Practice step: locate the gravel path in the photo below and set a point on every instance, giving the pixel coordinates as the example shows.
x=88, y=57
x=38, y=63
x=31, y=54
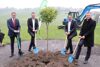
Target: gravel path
x=53, y=46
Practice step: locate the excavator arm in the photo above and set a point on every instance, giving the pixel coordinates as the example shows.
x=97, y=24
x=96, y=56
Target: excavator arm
x=87, y=9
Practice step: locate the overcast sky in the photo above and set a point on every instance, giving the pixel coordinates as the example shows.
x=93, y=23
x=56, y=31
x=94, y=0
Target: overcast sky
x=36, y=3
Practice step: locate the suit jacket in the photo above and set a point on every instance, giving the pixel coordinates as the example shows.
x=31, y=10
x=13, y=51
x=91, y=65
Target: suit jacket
x=72, y=29
x=87, y=30
x=30, y=26
x=11, y=27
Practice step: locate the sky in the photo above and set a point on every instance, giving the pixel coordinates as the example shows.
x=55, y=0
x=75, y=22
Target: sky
x=56, y=3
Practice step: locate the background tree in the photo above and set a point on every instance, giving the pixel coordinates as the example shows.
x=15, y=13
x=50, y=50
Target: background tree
x=47, y=15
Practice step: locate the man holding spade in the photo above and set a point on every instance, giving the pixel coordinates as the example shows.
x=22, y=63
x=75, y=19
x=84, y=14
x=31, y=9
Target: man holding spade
x=86, y=37
x=33, y=26
x=70, y=30
x=14, y=31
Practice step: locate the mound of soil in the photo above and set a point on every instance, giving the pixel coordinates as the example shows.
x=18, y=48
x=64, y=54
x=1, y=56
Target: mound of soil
x=42, y=59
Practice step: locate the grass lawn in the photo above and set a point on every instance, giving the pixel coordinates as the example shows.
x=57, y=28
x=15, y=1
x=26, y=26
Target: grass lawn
x=54, y=32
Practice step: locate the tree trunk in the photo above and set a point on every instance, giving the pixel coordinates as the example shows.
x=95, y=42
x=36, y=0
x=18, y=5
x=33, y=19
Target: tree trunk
x=47, y=24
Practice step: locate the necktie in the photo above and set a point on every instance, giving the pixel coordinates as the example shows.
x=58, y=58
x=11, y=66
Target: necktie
x=14, y=23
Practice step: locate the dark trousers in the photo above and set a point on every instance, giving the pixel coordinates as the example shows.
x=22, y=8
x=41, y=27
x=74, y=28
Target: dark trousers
x=69, y=44
x=79, y=50
x=32, y=43
x=12, y=39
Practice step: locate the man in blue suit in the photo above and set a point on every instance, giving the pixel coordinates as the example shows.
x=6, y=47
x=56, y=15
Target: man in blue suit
x=14, y=31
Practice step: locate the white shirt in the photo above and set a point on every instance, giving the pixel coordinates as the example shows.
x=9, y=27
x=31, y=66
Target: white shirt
x=69, y=25
x=33, y=21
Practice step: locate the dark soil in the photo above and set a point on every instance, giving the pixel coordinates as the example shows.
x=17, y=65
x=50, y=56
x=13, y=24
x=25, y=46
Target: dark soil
x=54, y=46
x=43, y=59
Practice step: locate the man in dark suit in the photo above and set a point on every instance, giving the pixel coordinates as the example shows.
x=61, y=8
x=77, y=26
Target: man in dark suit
x=14, y=31
x=86, y=37
x=70, y=30
x=32, y=30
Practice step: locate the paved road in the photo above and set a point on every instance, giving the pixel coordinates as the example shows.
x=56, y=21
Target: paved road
x=53, y=46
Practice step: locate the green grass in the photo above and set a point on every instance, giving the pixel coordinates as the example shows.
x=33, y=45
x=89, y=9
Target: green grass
x=54, y=32
x=97, y=34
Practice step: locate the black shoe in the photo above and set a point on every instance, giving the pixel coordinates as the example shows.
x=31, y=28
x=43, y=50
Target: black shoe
x=20, y=53
x=85, y=62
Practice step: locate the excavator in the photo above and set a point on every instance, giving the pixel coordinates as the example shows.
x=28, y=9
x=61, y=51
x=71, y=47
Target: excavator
x=79, y=18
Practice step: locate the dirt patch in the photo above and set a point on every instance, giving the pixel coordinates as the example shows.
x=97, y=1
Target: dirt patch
x=43, y=59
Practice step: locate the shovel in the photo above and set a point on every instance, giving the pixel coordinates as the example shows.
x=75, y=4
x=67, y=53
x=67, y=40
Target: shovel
x=35, y=50
x=71, y=57
x=18, y=42
x=63, y=50
x=19, y=45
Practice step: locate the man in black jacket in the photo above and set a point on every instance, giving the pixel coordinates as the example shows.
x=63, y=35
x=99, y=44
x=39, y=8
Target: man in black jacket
x=32, y=30
x=86, y=37
x=70, y=30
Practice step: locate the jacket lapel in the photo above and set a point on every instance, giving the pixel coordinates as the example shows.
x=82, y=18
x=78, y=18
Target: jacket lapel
x=71, y=24
x=11, y=22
